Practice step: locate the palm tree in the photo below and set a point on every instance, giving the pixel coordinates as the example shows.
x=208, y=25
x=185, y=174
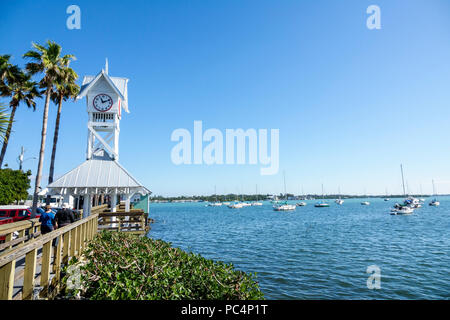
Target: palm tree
x=17, y=85
x=66, y=88
x=4, y=120
x=46, y=60
x=5, y=68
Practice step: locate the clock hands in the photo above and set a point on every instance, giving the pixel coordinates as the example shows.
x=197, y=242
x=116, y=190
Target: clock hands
x=100, y=104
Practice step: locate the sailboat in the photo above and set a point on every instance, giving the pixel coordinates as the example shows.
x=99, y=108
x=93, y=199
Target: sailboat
x=302, y=203
x=386, y=199
x=409, y=204
x=243, y=203
x=434, y=202
x=285, y=206
x=236, y=204
x=257, y=203
x=365, y=203
x=339, y=201
x=216, y=203
x=322, y=204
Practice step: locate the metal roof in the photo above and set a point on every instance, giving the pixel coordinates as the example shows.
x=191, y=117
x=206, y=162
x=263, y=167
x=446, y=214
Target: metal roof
x=97, y=173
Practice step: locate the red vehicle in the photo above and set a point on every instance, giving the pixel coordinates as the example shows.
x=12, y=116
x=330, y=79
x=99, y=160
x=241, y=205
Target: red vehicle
x=9, y=214
x=4, y=220
x=17, y=213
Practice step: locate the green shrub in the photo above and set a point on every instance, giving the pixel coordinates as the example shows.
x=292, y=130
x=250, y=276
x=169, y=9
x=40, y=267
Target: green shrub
x=124, y=266
x=14, y=185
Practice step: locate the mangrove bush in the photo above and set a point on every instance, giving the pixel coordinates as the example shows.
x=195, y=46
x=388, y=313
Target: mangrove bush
x=124, y=266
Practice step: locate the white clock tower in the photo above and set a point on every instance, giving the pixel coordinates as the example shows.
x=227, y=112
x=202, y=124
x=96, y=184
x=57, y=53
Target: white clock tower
x=105, y=98
x=101, y=173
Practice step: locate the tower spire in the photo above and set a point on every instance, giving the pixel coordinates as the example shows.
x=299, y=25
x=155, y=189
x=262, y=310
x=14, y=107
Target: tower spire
x=106, y=66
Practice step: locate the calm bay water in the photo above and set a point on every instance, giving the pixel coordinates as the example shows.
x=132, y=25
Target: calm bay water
x=320, y=253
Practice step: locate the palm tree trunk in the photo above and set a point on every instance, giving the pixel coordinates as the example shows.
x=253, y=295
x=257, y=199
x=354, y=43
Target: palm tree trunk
x=41, y=153
x=7, y=134
x=55, y=142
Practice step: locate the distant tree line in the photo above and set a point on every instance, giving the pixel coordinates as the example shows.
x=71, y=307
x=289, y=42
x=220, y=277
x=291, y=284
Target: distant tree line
x=255, y=197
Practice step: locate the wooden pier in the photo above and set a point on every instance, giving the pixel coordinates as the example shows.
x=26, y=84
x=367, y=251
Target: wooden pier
x=30, y=264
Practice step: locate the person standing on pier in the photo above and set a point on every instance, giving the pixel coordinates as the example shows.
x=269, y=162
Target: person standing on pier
x=64, y=216
x=47, y=220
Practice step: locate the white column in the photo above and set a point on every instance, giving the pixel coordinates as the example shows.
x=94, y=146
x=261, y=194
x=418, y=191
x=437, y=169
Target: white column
x=127, y=202
x=90, y=204
x=116, y=136
x=86, y=207
x=113, y=202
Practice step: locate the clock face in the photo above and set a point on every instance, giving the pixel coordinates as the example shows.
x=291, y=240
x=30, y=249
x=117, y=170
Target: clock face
x=102, y=102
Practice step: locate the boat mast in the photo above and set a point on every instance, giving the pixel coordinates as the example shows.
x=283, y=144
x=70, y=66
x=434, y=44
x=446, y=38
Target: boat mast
x=403, y=180
x=285, y=194
x=434, y=191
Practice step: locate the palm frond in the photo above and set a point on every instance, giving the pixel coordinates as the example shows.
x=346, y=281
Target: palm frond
x=4, y=121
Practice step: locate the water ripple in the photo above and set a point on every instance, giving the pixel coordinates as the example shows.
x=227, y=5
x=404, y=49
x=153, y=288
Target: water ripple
x=320, y=253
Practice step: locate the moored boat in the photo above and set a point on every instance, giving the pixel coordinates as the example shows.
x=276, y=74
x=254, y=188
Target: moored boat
x=321, y=205
x=401, y=210
x=434, y=202
x=284, y=207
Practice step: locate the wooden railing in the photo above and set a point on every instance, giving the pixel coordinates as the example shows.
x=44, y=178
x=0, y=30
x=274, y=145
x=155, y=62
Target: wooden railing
x=135, y=221
x=70, y=242
x=18, y=233
x=22, y=230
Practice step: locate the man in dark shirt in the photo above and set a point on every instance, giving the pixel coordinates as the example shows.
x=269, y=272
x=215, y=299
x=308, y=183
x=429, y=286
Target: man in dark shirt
x=64, y=216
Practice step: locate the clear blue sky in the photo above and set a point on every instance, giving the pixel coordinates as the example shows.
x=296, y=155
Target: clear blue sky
x=351, y=103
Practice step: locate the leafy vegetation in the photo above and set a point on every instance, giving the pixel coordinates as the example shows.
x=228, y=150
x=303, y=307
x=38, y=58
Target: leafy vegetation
x=124, y=266
x=13, y=185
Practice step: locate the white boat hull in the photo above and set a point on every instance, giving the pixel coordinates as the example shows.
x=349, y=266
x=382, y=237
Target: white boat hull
x=284, y=207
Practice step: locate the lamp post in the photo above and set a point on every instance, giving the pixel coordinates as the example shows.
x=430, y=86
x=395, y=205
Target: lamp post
x=21, y=159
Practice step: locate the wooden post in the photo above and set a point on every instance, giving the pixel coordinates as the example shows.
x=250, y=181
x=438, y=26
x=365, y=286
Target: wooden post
x=88, y=231
x=91, y=229
x=8, y=238
x=73, y=241
x=78, y=245
x=66, y=246
x=45, y=267
x=81, y=238
x=22, y=234
x=7, y=280
x=29, y=273
x=57, y=263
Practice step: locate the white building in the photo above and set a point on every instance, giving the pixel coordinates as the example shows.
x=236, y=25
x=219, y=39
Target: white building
x=101, y=173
